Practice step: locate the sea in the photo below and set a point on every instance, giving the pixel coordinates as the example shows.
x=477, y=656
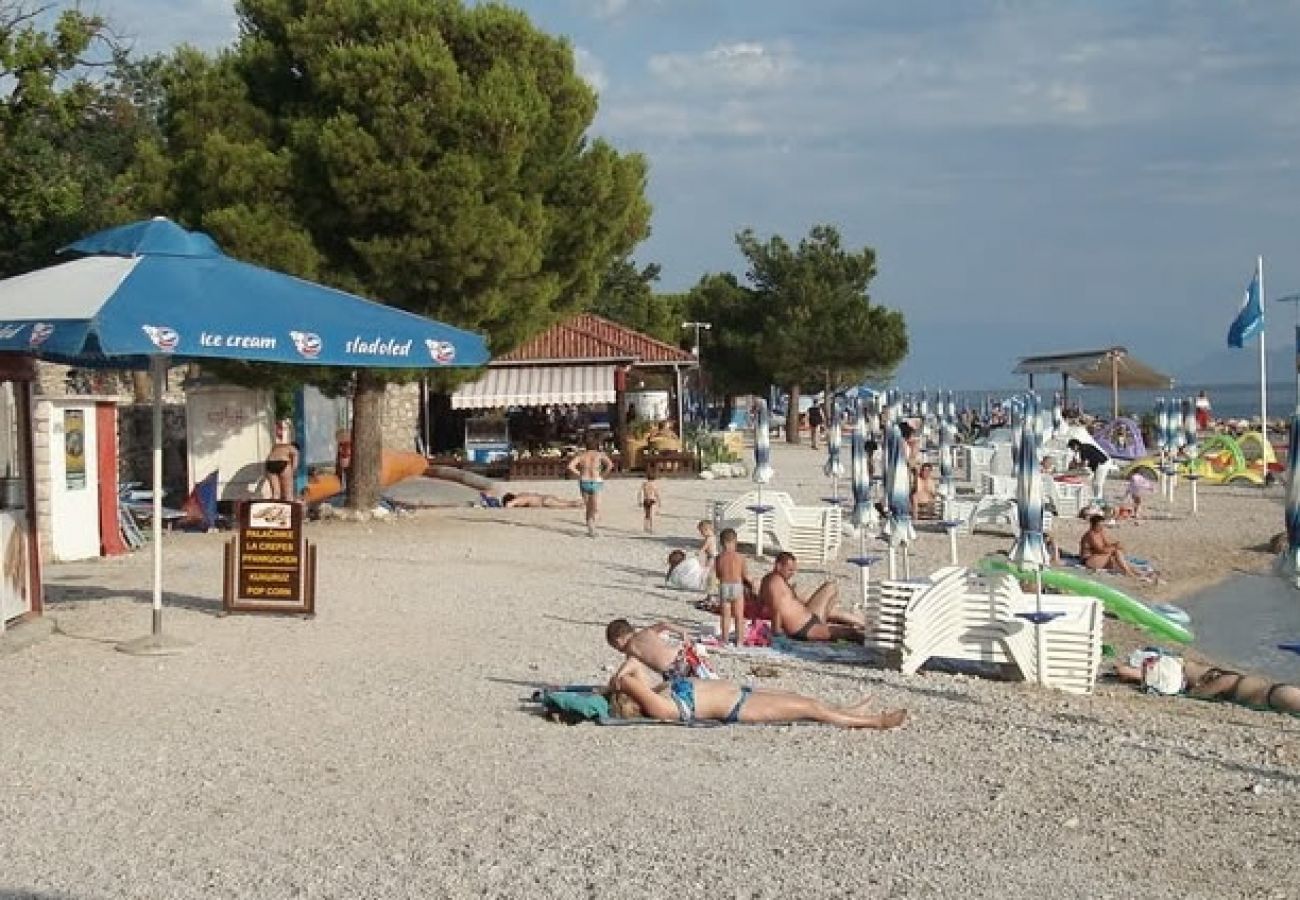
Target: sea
x=1227, y=401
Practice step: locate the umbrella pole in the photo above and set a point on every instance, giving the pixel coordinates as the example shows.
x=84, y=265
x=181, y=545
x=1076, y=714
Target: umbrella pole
x=1040, y=642
x=156, y=643
x=907, y=564
x=758, y=523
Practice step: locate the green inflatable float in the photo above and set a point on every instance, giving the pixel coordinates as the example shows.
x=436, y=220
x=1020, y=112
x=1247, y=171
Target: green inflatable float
x=1120, y=604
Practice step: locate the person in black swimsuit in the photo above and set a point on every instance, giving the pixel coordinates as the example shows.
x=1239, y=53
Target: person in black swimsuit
x=1214, y=683
x=814, y=619
x=281, y=465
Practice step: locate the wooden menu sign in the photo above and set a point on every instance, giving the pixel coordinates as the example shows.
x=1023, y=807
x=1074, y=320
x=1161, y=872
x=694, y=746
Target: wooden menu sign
x=269, y=566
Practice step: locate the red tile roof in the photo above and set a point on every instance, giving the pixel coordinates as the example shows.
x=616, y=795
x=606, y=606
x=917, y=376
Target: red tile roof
x=588, y=336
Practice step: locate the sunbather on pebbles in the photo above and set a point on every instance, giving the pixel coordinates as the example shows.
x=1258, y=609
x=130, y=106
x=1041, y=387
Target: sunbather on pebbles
x=1098, y=551
x=633, y=695
x=814, y=619
x=531, y=500
x=1213, y=683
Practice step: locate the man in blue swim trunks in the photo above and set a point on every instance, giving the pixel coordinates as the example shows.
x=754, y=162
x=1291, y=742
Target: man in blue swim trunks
x=591, y=466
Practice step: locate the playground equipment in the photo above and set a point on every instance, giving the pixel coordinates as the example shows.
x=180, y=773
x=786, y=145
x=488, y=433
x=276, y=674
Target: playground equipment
x=1223, y=459
x=1121, y=439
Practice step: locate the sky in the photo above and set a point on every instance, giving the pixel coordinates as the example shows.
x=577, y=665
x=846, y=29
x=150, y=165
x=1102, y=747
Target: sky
x=1034, y=176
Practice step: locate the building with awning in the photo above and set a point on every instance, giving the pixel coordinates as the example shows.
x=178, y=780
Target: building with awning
x=1113, y=366
x=584, y=360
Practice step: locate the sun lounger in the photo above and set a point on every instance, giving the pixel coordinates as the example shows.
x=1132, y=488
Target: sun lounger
x=812, y=533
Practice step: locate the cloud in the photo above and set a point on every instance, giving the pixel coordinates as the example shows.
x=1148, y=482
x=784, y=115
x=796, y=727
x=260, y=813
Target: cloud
x=746, y=65
x=590, y=69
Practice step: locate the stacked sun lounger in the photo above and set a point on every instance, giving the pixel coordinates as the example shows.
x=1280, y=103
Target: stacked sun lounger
x=812, y=533
x=958, y=614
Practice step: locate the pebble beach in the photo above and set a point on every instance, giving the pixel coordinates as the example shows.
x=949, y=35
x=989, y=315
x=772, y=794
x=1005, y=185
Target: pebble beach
x=381, y=749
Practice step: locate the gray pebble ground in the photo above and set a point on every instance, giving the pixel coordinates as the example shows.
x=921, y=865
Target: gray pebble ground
x=380, y=750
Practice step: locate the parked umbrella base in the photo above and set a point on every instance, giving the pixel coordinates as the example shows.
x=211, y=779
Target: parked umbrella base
x=157, y=643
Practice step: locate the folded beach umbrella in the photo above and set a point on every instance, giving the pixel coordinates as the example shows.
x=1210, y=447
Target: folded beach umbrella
x=762, y=444
x=834, y=469
x=947, y=440
x=858, y=464
x=1189, y=426
x=1030, y=549
x=1162, y=425
x=1058, y=415
x=898, y=489
x=1291, y=558
x=952, y=408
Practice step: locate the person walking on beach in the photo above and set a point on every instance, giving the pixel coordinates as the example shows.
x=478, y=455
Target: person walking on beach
x=648, y=497
x=816, y=421
x=1097, y=460
x=732, y=584
x=814, y=619
x=1202, y=411
x=591, y=466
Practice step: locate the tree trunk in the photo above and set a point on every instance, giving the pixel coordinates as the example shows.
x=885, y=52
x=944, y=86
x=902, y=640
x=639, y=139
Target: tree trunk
x=367, y=441
x=142, y=388
x=792, y=417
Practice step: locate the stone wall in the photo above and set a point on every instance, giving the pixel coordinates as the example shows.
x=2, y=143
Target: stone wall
x=400, y=416
x=41, y=418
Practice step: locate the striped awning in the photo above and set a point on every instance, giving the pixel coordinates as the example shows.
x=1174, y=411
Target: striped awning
x=537, y=386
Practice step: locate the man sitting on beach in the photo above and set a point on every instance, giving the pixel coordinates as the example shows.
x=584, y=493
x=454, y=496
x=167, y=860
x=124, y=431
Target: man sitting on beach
x=1098, y=551
x=814, y=619
x=530, y=500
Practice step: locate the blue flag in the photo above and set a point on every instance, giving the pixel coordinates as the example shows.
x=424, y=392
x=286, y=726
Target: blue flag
x=1250, y=319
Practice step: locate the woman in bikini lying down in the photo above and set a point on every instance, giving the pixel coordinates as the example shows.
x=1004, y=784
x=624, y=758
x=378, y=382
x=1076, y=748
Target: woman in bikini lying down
x=1214, y=683
x=687, y=700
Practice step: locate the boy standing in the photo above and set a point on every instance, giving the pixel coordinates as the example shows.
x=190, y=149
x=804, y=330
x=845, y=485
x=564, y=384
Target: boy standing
x=730, y=569
x=650, y=501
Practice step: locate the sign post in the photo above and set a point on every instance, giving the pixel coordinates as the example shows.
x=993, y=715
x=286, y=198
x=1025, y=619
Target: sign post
x=269, y=566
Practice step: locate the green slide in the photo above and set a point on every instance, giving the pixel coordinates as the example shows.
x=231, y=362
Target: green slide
x=1124, y=607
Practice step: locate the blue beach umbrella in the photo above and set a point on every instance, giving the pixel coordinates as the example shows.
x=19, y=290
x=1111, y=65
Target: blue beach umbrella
x=1291, y=558
x=152, y=294
x=154, y=291
x=762, y=444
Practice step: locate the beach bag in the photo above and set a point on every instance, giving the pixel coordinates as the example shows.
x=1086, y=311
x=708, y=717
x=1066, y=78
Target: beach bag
x=699, y=662
x=1162, y=674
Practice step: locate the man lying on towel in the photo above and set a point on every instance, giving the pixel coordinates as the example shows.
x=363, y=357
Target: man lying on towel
x=813, y=619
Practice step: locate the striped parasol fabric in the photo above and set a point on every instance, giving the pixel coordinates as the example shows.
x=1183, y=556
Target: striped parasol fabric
x=947, y=442
x=898, y=488
x=762, y=444
x=1189, y=427
x=1291, y=558
x=1162, y=425
x=1030, y=550
x=860, y=469
x=833, y=468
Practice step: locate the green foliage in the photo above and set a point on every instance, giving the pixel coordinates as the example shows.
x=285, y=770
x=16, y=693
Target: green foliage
x=426, y=153
x=626, y=295
x=69, y=125
x=804, y=315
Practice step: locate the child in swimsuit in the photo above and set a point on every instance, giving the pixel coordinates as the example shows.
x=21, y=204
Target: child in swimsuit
x=730, y=569
x=647, y=646
x=648, y=497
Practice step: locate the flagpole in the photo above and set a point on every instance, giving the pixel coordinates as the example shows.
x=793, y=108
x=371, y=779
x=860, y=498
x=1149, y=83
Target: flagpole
x=1263, y=373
